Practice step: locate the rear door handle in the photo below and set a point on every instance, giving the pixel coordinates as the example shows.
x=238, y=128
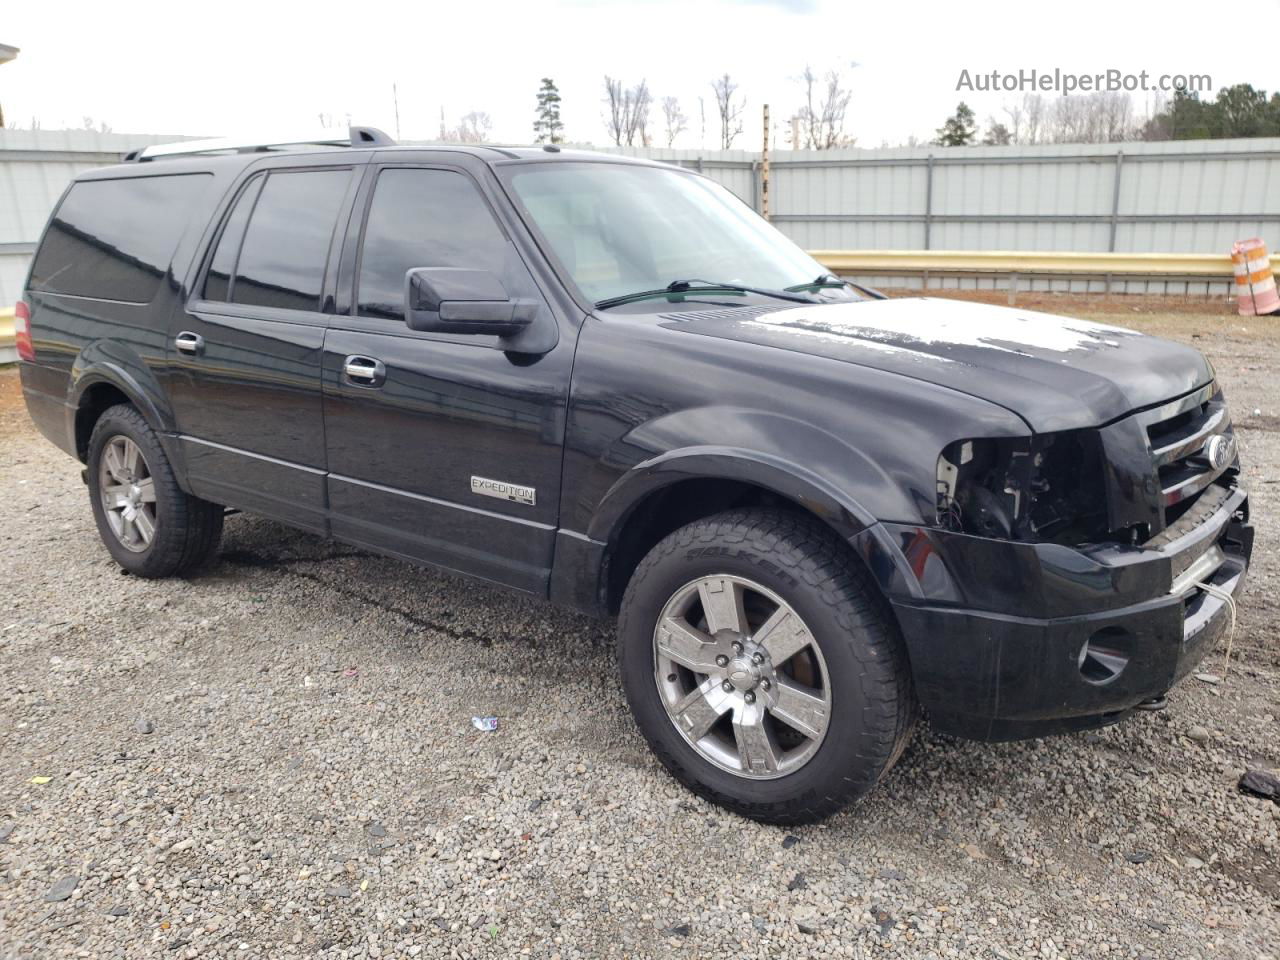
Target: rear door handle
x=364, y=371
x=189, y=343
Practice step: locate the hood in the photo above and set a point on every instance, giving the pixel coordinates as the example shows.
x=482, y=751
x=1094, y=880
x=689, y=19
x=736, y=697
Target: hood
x=1055, y=372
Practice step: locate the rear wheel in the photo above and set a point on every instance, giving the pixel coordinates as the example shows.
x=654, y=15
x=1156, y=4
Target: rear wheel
x=149, y=525
x=762, y=666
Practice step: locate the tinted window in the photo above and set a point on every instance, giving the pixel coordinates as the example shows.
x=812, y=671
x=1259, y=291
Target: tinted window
x=423, y=218
x=217, y=286
x=113, y=239
x=286, y=247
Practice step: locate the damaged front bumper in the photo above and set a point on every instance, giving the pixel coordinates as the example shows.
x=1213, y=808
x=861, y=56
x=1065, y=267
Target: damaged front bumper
x=1011, y=640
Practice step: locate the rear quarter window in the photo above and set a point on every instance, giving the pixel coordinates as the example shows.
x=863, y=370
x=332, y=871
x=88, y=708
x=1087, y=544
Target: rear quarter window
x=114, y=239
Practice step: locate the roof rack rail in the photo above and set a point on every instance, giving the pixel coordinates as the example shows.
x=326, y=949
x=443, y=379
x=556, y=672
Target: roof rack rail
x=356, y=137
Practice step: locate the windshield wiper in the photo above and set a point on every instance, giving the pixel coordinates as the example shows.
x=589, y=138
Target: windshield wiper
x=828, y=281
x=703, y=286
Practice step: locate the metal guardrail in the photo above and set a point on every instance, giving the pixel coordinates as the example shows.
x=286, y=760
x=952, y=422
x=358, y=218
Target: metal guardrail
x=8, y=348
x=1203, y=265
x=1108, y=268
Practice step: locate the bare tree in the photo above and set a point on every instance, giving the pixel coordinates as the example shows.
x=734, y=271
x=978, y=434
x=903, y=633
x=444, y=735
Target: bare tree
x=1069, y=120
x=1102, y=117
x=638, y=125
x=729, y=108
x=475, y=127
x=1015, y=125
x=673, y=119
x=820, y=122
x=615, y=99
x=1117, y=119
x=472, y=128
x=1032, y=121
x=627, y=119
x=328, y=122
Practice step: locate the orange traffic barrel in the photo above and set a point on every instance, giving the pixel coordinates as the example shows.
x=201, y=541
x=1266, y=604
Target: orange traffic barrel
x=1255, y=284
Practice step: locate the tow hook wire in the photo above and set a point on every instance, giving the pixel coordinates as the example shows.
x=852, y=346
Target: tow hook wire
x=1230, y=601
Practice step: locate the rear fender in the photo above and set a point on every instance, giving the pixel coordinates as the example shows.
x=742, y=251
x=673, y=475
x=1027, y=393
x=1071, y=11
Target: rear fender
x=111, y=362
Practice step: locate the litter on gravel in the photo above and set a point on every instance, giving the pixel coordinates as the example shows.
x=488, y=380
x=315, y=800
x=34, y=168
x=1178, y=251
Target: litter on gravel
x=1261, y=783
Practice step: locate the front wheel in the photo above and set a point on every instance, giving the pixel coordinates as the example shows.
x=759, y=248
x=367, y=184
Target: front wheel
x=762, y=666
x=149, y=525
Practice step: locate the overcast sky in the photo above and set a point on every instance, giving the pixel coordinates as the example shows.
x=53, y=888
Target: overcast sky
x=230, y=67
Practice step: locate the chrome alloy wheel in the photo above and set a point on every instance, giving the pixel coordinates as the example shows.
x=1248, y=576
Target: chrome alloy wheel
x=128, y=493
x=741, y=677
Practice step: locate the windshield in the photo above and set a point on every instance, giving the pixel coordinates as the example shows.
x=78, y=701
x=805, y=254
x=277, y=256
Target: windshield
x=622, y=228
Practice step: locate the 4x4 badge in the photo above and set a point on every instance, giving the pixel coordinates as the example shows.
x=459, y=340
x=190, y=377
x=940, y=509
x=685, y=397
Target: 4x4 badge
x=502, y=490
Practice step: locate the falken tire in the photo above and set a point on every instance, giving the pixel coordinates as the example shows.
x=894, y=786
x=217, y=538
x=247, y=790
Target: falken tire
x=872, y=707
x=186, y=530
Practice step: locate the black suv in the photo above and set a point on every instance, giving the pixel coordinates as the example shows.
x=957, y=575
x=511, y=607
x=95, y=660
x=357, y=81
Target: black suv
x=609, y=383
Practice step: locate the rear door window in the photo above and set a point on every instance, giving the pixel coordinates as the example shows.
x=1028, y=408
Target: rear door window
x=423, y=218
x=217, y=285
x=114, y=239
x=286, y=246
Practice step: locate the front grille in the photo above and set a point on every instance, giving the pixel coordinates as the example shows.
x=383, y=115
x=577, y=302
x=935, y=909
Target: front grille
x=1185, y=452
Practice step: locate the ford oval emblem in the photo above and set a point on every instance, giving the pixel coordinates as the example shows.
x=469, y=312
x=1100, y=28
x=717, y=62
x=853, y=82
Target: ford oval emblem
x=1220, y=451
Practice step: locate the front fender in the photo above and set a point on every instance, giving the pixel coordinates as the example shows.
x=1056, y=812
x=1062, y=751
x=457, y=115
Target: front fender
x=770, y=472
x=825, y=473
x=825, y=500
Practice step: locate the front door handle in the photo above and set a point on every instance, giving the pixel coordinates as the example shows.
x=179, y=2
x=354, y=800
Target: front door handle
x=364, y=371
x=189, y=343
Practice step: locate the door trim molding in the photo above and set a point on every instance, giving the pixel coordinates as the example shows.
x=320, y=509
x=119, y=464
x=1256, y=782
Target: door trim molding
x=256, y=456
x=315, y=471
x=443, y=503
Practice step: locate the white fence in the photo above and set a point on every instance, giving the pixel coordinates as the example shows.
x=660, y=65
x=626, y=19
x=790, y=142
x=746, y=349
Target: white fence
x=1173, y=197
x=1170, y=197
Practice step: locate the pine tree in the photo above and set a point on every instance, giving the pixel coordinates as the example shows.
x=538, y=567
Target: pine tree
x=959, y=130
x=548, y=128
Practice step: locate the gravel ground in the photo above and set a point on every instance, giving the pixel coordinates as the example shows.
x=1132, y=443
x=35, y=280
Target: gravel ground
x=277, y=759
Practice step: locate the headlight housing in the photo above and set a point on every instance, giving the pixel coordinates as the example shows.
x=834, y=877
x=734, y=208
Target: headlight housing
x=1044, y=488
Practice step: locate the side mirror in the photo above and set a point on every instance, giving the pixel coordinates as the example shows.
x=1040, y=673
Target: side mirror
x=457, y=300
